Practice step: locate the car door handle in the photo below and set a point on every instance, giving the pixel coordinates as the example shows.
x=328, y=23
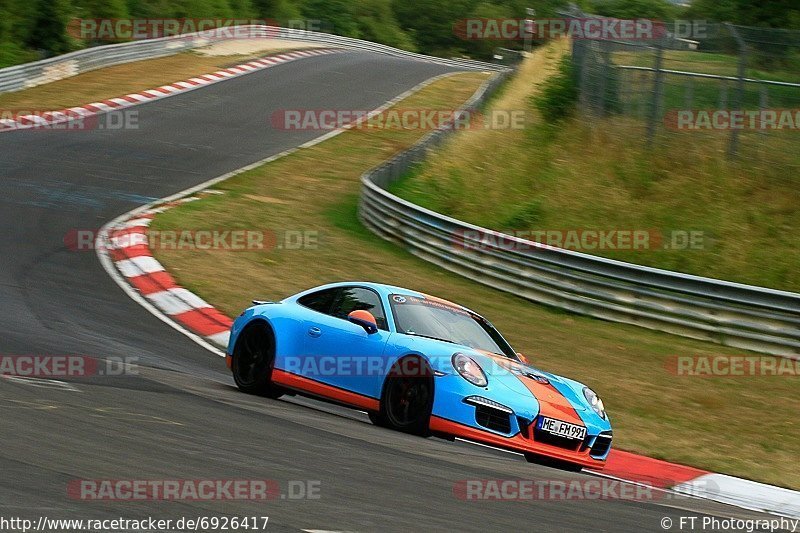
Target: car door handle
x=315, y=331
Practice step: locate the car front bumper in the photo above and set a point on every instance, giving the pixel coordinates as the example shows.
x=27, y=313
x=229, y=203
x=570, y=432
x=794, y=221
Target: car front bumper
x=509, y=421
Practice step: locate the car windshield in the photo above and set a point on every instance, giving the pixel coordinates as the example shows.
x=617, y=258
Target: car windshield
x=444, y=321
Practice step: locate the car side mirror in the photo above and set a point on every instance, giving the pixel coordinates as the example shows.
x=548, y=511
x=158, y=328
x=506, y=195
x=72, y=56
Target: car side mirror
x=523, y=358
x=365, y=319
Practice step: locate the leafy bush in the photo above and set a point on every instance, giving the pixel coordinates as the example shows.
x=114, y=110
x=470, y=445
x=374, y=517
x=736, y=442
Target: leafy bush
x=556, y=101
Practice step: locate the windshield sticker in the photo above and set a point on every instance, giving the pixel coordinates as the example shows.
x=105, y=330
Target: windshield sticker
x=438, y=304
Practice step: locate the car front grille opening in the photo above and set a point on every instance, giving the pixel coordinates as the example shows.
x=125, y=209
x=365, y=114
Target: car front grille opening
x=601, y=445
x=493, y=419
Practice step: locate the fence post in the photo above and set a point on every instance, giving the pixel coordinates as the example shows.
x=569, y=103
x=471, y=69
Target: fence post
x=763, y=103
x=722, y=102
x=583, y=76
x=658, y=88
x=605, y=64
x=733, y=145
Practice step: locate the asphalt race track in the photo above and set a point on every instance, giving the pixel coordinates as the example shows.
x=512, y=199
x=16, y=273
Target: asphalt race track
x=181, y=417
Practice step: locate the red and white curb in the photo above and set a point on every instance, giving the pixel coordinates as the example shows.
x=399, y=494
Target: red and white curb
x=126, y=245
x=52, y=118
x=702, y=484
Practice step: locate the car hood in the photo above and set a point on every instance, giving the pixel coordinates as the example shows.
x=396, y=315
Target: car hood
x=542, y=392
x=560, y=393
x=554, y=396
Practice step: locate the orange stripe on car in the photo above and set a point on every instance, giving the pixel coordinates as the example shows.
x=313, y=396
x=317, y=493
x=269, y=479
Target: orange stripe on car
x=311, y=386
x=552, y=403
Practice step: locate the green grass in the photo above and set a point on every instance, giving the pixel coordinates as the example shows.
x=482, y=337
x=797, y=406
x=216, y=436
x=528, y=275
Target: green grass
x=597, y=173
x=703, y=422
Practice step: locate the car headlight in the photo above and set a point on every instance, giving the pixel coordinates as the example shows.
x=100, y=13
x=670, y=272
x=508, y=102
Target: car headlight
x=468, y=369
x=595, y=402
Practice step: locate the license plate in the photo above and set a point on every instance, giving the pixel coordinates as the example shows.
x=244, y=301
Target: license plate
x=562, y=429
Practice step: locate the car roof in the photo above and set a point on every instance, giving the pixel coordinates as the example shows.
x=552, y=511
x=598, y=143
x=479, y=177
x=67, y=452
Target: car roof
x=385, y=290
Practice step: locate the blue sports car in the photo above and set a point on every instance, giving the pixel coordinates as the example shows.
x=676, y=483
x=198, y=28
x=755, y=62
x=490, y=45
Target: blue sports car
x=419, y=364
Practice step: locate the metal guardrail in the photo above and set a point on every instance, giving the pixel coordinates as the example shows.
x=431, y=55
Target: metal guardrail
x=39, y=72
x=733, y=314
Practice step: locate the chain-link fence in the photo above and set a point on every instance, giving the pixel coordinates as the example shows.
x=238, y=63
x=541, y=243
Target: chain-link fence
x=696, y=76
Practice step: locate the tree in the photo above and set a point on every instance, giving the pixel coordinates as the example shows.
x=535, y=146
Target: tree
x=49, y=32
x=334, y=14
x=15, y=26
x=101, y=8
x=432, y=22
x=280, y=11
x=484, y=48
x=632, y=9
x=771, y=14
x=376, y=22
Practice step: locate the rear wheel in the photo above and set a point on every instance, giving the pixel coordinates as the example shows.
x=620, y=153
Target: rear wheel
x=253, y=361
x=406, y=404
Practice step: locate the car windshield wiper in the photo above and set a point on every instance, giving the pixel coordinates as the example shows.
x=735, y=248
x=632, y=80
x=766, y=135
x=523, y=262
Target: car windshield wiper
x=454, y=342
x=429, y=337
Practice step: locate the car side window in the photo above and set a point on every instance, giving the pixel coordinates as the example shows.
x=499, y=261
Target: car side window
x=320, y=301
x=358, y=298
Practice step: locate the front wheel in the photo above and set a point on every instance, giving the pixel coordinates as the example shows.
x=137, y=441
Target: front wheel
x=253, y=361
x=406, y=405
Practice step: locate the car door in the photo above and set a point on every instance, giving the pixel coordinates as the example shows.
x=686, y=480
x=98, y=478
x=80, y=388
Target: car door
x=342, y=354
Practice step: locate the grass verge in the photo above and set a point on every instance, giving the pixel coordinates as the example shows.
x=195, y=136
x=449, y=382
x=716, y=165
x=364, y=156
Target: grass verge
x=119, y=80
x=598, y=174
x=743, y=427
